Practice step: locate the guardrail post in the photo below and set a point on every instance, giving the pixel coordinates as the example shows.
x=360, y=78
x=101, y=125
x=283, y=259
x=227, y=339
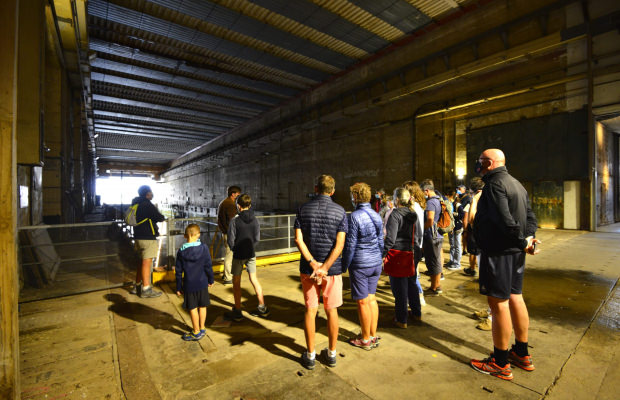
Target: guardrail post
x=288, y=231
x=170, y=243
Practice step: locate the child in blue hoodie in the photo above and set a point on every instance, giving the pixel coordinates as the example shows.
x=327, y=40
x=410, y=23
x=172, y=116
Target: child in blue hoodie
x=194, y=275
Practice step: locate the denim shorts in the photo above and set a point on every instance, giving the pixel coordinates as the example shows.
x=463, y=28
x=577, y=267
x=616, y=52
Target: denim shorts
x=364, y=281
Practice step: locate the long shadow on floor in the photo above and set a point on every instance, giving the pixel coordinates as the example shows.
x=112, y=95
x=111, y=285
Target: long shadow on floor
x=283, y=311
x=144, y=314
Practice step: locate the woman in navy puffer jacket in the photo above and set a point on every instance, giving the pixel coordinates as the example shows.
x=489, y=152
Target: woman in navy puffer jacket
x=362, y=255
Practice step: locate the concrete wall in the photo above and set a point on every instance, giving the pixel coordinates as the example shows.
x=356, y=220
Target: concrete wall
x=406, y=114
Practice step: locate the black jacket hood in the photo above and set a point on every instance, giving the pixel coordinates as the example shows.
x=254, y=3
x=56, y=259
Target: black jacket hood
x=246, y=216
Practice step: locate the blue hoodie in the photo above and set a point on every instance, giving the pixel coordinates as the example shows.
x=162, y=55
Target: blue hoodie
x=193, y=267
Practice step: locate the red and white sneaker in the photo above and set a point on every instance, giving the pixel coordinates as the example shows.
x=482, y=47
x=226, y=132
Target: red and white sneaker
x=521, y=362
x=488, y=366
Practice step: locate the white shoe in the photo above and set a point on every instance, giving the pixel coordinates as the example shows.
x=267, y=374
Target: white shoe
x=422, y=301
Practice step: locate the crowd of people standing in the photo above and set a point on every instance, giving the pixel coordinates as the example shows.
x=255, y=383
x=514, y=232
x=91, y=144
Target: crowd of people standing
x=492, y=221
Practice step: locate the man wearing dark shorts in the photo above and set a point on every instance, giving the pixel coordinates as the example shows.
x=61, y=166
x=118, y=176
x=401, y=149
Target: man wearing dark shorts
x=504, y=229
x=433, y=240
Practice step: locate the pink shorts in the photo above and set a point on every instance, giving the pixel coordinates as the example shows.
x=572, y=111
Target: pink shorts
x=332, y=291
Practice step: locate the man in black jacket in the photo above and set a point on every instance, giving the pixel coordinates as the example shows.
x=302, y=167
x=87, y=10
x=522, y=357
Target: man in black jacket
x=145, y=237
x=504, y=228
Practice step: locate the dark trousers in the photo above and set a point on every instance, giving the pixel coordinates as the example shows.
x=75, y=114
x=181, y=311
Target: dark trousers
x=405, y=293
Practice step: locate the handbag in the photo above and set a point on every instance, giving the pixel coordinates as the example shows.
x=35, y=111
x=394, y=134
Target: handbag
x=400, y=263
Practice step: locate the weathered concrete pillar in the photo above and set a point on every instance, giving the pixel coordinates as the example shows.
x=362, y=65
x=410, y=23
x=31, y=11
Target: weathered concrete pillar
x=9, y=328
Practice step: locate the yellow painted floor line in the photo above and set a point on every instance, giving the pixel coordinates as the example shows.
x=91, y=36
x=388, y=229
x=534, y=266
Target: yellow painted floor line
x=168, y=276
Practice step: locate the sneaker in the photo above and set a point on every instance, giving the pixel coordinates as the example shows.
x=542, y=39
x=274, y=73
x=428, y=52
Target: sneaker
x=453, y=267
x=422, y=301
x=399, y=324
x=488, y=366
x=191, y=336
x=136, y=289
x=449, y=263
x=482, y=314
x=149, y=293
x=306, y=361
x=227, y=283
x=485, y=325
x=376, y=341
x=521, y=362
x=263, y=313
x=469, y=272
x=359, y=342
x=433, y=293
x=329, y=360
x=234, y=315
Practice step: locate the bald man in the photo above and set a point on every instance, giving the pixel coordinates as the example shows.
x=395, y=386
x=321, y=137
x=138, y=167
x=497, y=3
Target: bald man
x=504, y=228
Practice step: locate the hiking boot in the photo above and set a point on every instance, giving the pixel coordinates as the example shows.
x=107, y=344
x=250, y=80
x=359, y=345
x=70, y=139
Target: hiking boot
x=329, y=360
x=469, y=272
x=306, y=361
x=359, y=342
x=191, y=336
x=488, y=366
x=485, y=325
x=433, y=292
x=482, y=314
x=521, y=362
x=149, y=293
x=234, y=315
x=262, y=312
x=136, y=289
x=398, y=324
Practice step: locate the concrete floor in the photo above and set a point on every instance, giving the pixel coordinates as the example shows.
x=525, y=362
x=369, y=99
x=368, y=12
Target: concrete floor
x=110, y=344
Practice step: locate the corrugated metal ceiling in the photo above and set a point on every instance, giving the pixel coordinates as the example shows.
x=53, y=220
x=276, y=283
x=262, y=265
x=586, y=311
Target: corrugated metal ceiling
x=186, y=71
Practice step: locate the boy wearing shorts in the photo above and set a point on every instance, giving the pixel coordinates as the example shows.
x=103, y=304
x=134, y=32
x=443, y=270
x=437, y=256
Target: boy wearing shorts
x=194, y=275
x=243, y=235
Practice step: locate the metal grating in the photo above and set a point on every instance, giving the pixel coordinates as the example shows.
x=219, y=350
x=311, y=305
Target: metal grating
x=398, y=13
x=232, y=20
x=191, y=95
x=128, y=54
x=212, y=44
x=325, y=21
x=147, y=144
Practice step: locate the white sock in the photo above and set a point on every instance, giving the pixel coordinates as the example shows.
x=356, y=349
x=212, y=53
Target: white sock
x=332, y=353
x=312, y=355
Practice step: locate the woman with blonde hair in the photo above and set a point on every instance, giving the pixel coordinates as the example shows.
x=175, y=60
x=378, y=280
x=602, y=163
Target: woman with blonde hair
x=400, y=258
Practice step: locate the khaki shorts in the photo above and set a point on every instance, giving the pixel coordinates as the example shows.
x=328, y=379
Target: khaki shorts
x=147, y=248
x=237, y=266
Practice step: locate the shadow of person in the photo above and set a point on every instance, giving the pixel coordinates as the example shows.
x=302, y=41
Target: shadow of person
x=250, y=330
x=283, y=311
x=144, y=314
x=431, y=337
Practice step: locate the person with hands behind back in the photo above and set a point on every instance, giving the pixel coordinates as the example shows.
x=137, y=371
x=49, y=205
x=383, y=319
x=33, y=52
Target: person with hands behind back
x=194, y=275
x=320, y=230
x=504, y=228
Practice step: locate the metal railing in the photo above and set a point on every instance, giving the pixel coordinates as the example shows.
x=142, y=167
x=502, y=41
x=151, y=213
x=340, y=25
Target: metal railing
x=57, y=260
x=277, y=236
